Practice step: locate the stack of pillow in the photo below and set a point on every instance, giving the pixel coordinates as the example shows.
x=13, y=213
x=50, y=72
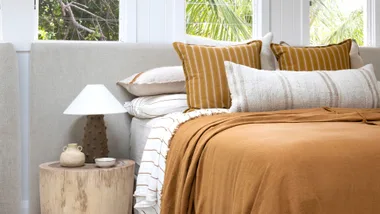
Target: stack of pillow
x=261, y=76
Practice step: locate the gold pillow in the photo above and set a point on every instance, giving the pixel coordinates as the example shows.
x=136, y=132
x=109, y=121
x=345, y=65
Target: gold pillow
x=206, y=80
x=331, y=57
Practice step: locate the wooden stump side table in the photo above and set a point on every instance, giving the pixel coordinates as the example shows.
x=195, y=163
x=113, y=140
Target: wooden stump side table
x=87, y=189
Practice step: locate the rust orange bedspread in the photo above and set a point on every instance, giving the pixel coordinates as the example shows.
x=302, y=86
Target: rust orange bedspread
x=299, y=161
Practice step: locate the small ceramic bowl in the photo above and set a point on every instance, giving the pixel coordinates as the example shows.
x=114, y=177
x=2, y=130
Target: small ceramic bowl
x=105, y=162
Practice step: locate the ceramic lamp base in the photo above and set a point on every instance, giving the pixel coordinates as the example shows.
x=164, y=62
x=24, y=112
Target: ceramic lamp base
x=95, y=138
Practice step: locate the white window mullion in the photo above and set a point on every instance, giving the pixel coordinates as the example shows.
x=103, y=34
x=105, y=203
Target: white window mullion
x=305, y=22
x=376, y=25
x=372, y=21
x=261, y=14
x=157, y=21
x=179, y=20
x=128, y=21
x=19, y=27
x=1, y=20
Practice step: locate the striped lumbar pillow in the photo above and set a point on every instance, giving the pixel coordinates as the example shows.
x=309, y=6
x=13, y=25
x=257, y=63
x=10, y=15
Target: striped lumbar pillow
x=331, y=57
x=258, y=90
x=206, y=82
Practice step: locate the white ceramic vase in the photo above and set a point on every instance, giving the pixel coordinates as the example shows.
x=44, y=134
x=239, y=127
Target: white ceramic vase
x=72, y=156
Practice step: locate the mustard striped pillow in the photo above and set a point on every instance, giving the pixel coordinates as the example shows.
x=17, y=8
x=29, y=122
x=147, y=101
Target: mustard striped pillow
x=331, y=57
x=206, y=81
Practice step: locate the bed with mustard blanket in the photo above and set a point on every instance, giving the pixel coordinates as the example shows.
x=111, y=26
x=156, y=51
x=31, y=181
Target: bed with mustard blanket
x=323, y=160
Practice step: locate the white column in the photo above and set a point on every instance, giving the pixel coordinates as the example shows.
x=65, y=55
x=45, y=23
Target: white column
x=19, y=26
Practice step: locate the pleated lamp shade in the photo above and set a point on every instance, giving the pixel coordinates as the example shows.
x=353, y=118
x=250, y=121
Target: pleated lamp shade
x=95, y=100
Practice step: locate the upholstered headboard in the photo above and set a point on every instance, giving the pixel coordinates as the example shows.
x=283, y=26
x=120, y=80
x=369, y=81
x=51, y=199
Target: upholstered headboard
x=10, y=140
x=371, y=55
x=59, y=71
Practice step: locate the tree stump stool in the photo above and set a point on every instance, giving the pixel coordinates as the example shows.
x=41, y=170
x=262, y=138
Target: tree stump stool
x=87, y=189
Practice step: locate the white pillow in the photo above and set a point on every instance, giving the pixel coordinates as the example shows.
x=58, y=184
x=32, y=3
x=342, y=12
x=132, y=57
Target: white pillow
x=266, y=56
x=163, y=80
x=156, y=106
x=255, y=90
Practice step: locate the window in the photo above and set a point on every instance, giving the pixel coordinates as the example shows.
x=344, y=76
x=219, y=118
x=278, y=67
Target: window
x=78, y=20
x=228, y=20
x=332, y=21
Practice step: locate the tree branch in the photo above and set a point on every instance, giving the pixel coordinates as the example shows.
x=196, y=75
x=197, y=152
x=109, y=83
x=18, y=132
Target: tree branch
x=74, y=21
x=86, y=11
x=67, y=8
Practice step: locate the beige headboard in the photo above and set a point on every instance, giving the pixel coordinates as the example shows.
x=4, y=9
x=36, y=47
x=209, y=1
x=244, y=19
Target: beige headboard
x=371, y=55
x=59, y=71
x=10, y=140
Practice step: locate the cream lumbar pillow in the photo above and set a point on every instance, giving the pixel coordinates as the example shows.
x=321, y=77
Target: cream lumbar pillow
x=255, y=90
x=163, y=80
x=266, y=55
x=156, y=106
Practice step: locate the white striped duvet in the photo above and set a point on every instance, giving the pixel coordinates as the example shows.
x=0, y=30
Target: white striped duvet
x=151, y=173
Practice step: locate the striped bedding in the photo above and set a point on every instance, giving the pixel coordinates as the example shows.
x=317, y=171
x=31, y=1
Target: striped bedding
x=151, y=174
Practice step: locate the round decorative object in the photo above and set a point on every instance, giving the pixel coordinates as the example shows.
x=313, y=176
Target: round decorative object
x=87, y=189
x=105, y=162
x=72, y=156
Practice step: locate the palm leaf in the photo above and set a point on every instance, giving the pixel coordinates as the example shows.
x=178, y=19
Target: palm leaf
x=219, y=19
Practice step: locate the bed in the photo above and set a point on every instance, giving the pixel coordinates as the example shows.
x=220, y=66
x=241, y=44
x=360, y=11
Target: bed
x=53, y=62
x=309, y=160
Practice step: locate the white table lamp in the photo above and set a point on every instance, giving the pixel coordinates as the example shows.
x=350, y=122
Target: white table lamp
x=95, y=101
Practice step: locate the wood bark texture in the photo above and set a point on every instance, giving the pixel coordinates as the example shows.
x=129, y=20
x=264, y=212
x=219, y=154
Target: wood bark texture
x=95, y=138
x=87, y=189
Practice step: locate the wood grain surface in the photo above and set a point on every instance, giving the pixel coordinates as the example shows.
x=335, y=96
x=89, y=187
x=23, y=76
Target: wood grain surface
x=87, y=189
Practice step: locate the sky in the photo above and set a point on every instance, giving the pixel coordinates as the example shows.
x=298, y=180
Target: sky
x=350, y=5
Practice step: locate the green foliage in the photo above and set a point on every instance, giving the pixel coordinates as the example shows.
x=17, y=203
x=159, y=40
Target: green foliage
x=329, y=25
x=100, y=16
x=229, y=20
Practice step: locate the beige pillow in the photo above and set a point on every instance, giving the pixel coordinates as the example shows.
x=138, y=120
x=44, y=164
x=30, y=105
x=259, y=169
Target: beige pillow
x=163, y=80
x=255, y=90
x=266, y=55
x=356, y=59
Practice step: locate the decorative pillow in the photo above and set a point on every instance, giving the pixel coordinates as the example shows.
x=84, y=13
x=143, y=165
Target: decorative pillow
x=163, y=80
x=331, y=57
x=259, y=90
x=266, y=56
x=206, y=82
x=156, y=106
x=355, y=58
